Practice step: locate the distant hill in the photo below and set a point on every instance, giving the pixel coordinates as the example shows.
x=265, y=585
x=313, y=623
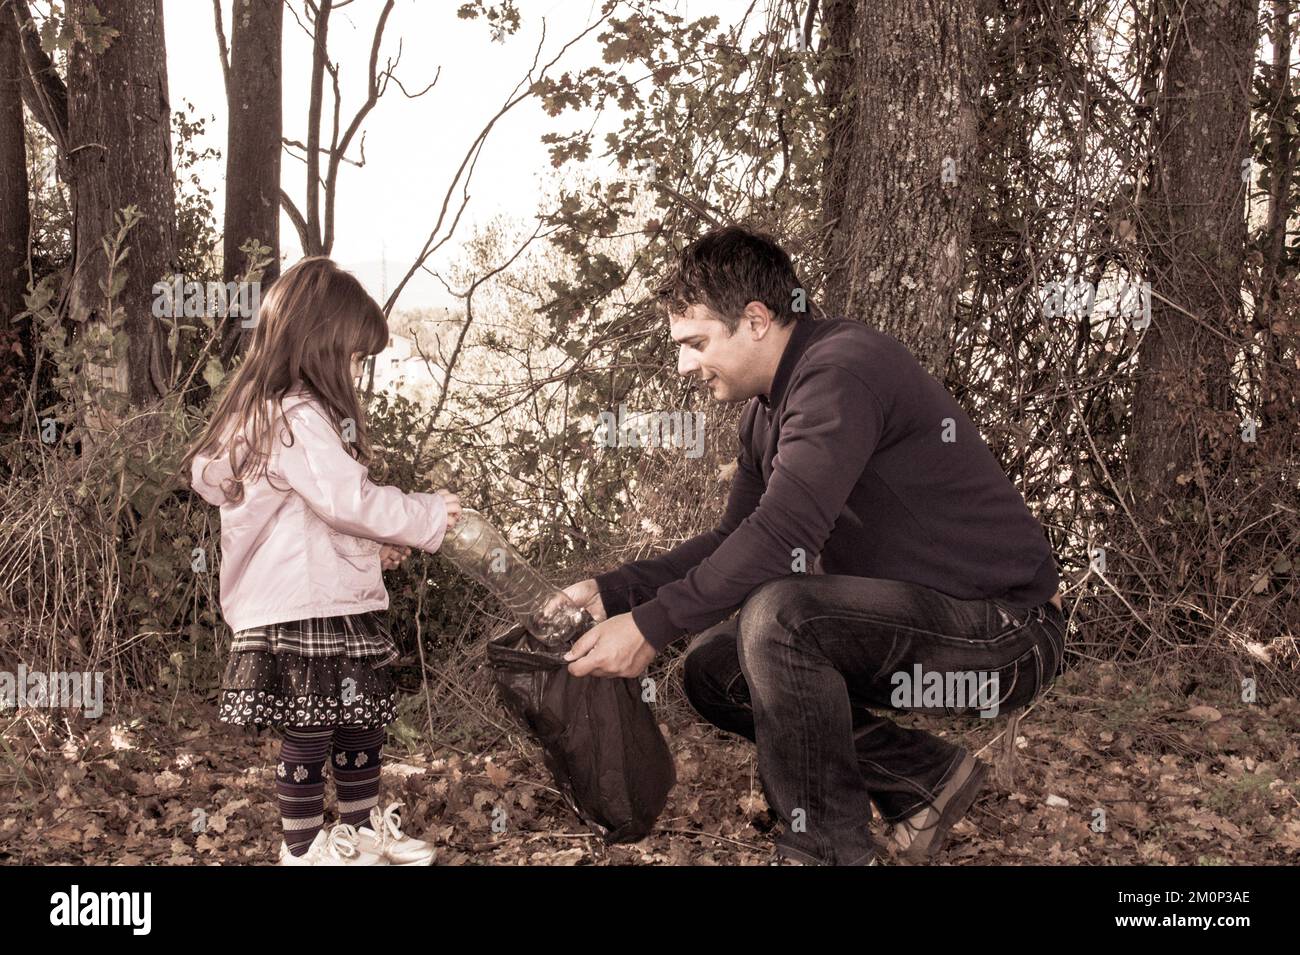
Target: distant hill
x=423, y=291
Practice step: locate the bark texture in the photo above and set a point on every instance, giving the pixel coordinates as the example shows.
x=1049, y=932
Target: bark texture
x=253, y=145
x=14, y=210
x=1193, y=229
x=120, y=155
x=903, y=92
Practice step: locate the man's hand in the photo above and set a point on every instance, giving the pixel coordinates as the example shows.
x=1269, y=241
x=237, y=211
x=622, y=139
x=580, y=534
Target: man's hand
x=583, y=594
x=392, y=555
x=613, y=648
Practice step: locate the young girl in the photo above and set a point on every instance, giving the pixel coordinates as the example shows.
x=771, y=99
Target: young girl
x=304, y=534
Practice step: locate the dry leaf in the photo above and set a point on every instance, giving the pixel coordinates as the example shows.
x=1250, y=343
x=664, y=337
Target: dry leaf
x=497, y=775
x=1206, y=714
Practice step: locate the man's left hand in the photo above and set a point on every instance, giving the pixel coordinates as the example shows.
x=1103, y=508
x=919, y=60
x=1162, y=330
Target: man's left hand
x=614, y=647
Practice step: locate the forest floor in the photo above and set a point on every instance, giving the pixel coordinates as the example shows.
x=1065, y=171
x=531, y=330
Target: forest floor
x=1182, y=781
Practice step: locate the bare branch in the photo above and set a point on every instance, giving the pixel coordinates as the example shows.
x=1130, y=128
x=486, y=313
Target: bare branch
x=44, y=91
x=340, y=146
x=465, y=171
x=464, y=330
x=223, y=49
x=808, y=25
x=319, y=56
x=434, y=83
x=299, y=223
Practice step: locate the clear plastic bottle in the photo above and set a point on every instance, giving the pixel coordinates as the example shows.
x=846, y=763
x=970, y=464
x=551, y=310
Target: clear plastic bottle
x=479, y=550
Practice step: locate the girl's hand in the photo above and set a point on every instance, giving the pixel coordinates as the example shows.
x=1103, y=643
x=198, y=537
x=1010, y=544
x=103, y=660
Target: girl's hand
x=392, y=555
x=453, y=506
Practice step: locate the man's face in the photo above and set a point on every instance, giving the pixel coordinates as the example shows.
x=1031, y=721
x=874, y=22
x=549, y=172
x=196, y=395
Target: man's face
x=707, y=353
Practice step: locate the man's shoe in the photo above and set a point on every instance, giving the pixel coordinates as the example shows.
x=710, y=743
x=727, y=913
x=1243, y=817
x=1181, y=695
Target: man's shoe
x=779, y=859
x=784, y=855
x=922, y=835
x=385, y=838
x=338, y=847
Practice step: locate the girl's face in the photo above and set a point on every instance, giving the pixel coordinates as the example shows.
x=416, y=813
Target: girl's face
x=358, y=364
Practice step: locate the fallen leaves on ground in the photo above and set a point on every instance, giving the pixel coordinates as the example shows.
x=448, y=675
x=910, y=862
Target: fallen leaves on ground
x=1103, y=773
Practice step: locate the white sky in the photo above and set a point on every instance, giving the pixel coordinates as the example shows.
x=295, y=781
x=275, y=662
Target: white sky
x=386, y=209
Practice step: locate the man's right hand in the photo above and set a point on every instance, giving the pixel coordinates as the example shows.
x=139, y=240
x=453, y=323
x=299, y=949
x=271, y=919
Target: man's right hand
x=586, y=594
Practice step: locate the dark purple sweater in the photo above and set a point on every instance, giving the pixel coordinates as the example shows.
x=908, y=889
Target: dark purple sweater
x=861, y=456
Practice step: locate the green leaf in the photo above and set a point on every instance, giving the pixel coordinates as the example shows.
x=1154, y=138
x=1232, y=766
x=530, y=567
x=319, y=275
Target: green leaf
x=50, y=35
x=99, y=36
x=117, y=283
x=213, y=373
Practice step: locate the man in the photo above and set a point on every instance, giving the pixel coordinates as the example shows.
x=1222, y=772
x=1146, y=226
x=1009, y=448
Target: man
x=930, y=562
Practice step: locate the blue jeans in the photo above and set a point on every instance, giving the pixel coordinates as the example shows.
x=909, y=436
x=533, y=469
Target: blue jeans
x=799, y=668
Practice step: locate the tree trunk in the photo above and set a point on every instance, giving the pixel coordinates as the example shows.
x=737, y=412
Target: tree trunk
x=253, y=146
x=320, y=55
x=1278, y=265
x=120, y=153
x=1280, y=150
x=903, y=92
x=1194, y=233
x=44, y=91
x=14, y=212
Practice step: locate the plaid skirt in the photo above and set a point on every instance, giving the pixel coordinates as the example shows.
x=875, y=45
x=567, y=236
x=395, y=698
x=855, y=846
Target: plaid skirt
x=325, y=671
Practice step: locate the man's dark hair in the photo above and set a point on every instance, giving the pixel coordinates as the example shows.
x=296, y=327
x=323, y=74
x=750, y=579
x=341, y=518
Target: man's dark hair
x=729, y=267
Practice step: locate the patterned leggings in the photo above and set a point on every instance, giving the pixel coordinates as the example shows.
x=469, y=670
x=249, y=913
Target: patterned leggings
x=354, y=753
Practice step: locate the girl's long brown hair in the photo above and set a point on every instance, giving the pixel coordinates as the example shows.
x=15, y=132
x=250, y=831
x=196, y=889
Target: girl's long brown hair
x=311, y=322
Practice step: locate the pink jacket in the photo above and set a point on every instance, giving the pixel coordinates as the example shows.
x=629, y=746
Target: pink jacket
x=305, y=543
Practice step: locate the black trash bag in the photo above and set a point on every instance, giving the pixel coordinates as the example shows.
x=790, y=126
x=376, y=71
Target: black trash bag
x=599, y=738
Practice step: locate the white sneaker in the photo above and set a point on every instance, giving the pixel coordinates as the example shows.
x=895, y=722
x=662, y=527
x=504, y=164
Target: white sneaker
x=339, y=847
x=384, y=837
